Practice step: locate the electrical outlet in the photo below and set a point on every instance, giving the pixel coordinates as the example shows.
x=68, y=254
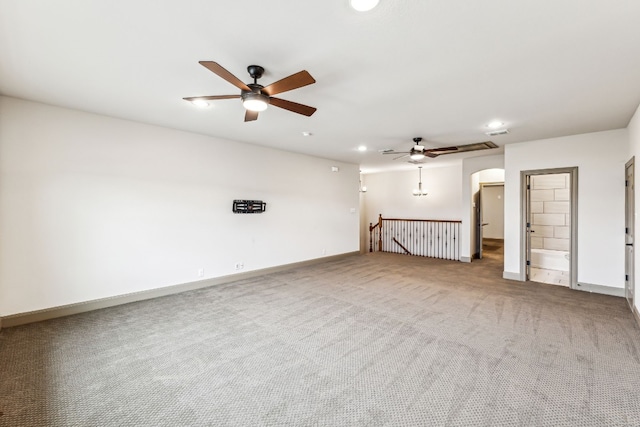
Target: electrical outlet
x=324, y=252
x=200, y=272
x=239, y=265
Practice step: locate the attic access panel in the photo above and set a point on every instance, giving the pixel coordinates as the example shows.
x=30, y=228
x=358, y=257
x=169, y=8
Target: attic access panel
x=473, y=147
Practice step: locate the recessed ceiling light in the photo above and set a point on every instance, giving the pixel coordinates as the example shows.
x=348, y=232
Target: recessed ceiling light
x=362, y=148
x=363, y=5
x=495, y=124
x=307, y=134
x=200, y=103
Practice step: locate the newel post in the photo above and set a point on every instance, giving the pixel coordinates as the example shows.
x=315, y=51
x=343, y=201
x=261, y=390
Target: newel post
x=380, y=233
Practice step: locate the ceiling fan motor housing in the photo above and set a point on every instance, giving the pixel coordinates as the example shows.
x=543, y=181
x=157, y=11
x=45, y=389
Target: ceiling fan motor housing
x=256, y=93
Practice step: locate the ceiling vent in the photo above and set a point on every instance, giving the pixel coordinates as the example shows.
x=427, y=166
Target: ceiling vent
x=498, y=132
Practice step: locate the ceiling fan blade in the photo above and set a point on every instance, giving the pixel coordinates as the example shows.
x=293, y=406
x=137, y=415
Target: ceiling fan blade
x=250, y=116
x=305, y=110
x=210, y=98
x=400, y=157
x=216, y=68
x=395, y=152
x=294, y=81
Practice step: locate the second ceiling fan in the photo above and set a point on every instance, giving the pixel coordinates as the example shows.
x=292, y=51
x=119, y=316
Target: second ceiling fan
x=255, y=97
x=418, y=152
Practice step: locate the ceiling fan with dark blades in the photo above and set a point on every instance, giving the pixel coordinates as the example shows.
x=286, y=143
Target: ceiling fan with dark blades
x=418, y=152
x=255, y=97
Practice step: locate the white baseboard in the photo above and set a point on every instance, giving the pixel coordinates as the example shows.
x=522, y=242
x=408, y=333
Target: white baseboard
x=600, y=289
x=634, y=310
x=465, y=259
x=586, y=287
x=81, y=307
x=511, y=276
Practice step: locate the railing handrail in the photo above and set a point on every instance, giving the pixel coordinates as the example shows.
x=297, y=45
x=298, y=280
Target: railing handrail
x=378, y=224
x=438, y=238
x=423, y=220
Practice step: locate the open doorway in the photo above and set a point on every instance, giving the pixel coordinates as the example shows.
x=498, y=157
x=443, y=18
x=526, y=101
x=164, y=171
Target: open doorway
x=491, y=220
x=488, y=214
x=549, y=226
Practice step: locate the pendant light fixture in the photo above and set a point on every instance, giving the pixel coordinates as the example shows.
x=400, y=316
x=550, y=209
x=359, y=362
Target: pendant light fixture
x=363, y=189
x=419, y=191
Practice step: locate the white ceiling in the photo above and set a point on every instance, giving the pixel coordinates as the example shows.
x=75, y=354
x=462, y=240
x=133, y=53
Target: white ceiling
x=440, y=69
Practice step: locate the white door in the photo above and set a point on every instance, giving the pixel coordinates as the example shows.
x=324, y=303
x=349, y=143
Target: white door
x=492, y=211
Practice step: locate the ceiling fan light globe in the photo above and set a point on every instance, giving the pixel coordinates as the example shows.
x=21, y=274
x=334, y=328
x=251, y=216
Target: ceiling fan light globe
x=416, y=156
x=254, y=105
x=253, y=101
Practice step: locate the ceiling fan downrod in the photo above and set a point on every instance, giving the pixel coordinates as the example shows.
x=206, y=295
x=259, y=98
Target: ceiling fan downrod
x=255, y=71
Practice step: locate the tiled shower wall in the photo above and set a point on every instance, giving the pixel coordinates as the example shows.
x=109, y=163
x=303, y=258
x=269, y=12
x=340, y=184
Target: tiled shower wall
x=550, y=212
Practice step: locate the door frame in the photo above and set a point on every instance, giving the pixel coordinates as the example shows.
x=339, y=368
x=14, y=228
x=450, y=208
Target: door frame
x=525, y=247
x=477, y=245
x=629, y=222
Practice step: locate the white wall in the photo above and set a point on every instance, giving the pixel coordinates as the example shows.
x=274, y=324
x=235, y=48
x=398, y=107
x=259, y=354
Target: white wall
x=600, y=158
x=471, y=185
x=93, y=207
x=491, y=175
x=390, y=194
x=634, y=150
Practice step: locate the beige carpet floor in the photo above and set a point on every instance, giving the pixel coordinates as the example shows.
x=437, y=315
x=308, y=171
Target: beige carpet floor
x=371, y=340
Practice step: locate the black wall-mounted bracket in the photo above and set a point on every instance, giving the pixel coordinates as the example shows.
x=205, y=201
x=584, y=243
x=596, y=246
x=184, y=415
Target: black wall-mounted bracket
x=249, y=206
